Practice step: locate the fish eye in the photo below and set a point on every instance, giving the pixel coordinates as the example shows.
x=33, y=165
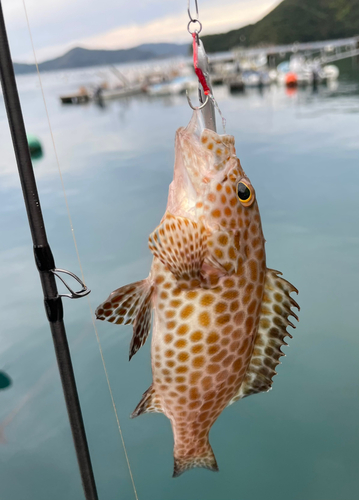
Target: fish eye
x=244, y=193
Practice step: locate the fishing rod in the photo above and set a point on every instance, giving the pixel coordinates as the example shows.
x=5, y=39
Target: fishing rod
x=45, y=263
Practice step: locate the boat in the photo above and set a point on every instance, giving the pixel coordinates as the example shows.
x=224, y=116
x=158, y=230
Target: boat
x=252, y=78
x=306, y=71
x=235, y=83
x=178, y=85
x=81, y=97
x=103, y=93
x=248, y=79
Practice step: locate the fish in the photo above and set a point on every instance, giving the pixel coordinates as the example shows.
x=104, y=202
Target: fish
x=220, y=315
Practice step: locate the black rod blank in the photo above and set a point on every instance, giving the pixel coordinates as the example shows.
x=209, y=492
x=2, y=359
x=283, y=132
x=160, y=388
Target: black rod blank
x=45, y=262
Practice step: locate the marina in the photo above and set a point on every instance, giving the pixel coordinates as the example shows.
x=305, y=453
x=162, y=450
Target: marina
x=310, y=63
x=105, y=150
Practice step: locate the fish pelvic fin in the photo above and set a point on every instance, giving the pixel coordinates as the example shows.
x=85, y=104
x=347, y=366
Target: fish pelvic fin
x=130, y=304
x=205, y=460
x=181, y=245
x=273, y=323
x=150, y=403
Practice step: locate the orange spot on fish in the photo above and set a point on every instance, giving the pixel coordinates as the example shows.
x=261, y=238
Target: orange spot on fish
x=197, y=348
x=196, y=336
x=182, y=369
x=211, y=197
x=198, y=361
x=222, y=320
x=183, y=357
x=216, y=213
x=180, y=344
x=182, y=330
x=213, y=349
x=204, y=319
x=212, y=338
x=187, y=311
x=218, y=253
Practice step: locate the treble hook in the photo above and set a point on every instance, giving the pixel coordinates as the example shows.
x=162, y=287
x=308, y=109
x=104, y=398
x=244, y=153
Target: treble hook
x=196, y=108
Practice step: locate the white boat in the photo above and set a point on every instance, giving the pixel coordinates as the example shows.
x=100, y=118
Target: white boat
x=253, y=78
x=178, y=85
x=103, y=93
x=307, y=72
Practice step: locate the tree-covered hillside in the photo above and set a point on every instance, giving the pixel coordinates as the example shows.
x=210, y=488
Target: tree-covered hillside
x=294, y=21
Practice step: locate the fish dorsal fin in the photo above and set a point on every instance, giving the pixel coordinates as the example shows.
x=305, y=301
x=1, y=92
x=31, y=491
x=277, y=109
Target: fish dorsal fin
x=150, y=403
x=130, y=304
x=275, y=311
x=181, y=245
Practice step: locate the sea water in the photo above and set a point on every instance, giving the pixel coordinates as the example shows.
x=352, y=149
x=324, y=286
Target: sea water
x=301, y=152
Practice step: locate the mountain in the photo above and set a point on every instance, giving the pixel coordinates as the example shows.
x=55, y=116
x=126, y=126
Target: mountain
x=166, y=49
x=293, y=21
x=81, y=58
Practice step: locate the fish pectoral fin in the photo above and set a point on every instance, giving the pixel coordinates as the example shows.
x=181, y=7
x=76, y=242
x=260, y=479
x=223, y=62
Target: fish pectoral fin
x=223, y=253
x=273, y=322
x=130, y=304
x=181, y=245
x=150, y=403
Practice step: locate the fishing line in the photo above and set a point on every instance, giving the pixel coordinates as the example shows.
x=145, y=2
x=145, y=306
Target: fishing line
x=77, y=253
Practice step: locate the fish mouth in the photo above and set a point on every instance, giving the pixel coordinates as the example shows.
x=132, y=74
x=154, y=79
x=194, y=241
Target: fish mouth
x=201, y=156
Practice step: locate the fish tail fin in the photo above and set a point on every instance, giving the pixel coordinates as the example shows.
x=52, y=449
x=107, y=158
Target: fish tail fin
x=205, y=459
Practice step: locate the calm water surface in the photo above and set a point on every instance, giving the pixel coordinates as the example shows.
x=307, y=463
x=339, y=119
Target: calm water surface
x=297, y=442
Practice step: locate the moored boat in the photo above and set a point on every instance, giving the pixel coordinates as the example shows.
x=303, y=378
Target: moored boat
x=178, y=85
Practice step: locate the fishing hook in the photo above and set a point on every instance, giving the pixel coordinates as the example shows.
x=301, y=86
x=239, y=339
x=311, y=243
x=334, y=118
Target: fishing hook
x=196, y=108
x=72, y=295
x=193, y=19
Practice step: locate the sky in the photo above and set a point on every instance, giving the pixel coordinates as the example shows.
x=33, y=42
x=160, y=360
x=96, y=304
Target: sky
x=59, y=25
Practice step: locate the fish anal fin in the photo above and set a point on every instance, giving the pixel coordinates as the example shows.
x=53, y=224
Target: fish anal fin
x=181, y=245
x=130, y=304
x=272, y=330
x=205, y=460
x=150, y=403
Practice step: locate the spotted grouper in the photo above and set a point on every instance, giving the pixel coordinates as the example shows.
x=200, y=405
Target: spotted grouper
x=220, y=315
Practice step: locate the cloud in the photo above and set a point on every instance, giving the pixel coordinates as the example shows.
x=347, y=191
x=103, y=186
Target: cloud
x=111, y=25
x=174, y=28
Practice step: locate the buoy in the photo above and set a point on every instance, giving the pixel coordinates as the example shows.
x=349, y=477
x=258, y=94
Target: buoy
x=5, y=380
x=291, y=80
x=34, y=146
